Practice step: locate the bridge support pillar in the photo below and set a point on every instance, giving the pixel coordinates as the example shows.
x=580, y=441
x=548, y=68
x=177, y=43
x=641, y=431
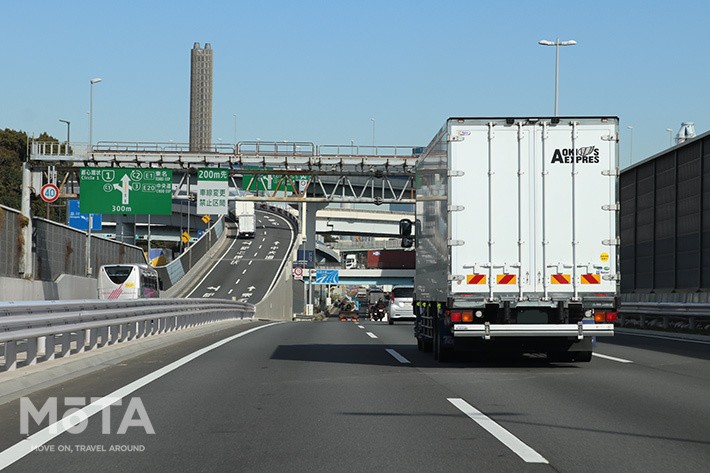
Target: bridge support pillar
x=309, y=242
x=25, y=257
x=126, y=229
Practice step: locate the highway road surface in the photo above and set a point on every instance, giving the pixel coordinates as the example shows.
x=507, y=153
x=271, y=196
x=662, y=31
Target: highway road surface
x=341, y=396
x=249, y=267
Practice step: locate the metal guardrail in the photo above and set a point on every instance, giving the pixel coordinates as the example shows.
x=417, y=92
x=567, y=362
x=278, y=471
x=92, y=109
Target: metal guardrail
x=40, y=328
x=666, y=314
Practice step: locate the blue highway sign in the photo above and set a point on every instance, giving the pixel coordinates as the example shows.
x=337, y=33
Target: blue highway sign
x=327, y=276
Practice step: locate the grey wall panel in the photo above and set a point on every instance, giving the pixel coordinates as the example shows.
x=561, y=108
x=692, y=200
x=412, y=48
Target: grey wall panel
x=9, y=242
x=665, y=223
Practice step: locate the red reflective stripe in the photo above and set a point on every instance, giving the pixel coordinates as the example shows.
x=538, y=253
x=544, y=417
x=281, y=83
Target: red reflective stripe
x=506, y=279
x=591, y=279
x=560, y=279
x=476, y=279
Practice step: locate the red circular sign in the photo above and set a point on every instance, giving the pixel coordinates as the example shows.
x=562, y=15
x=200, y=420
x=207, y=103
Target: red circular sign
x=49, y=192
x=298, y=271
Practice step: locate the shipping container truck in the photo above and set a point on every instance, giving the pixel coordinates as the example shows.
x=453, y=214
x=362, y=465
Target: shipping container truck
x=390, y=259
x=516, y=237
x=243, y=214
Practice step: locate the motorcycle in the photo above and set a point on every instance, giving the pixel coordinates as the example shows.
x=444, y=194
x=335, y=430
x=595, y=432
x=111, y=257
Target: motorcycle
x=378, y=312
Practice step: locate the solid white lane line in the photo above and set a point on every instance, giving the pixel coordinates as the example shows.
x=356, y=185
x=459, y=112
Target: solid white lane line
x=397, y=356
x=34, y=441
x=283, y=261
x=371, y=335
x=612, y=358
x=509, y=440
x=213, y=267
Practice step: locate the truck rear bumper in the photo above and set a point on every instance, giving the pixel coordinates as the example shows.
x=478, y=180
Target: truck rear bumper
x=488, y=330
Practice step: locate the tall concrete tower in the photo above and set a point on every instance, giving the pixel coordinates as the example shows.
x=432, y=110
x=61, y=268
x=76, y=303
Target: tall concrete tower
x=201, y=98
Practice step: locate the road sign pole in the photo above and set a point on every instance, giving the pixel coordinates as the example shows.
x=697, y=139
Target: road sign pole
x=188, y=210
x=305, y=300
x=310, y=286
x=148, y=238
x=88, y=246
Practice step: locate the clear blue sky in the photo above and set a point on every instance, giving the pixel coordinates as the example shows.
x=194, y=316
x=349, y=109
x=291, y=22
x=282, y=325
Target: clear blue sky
x=318, y=71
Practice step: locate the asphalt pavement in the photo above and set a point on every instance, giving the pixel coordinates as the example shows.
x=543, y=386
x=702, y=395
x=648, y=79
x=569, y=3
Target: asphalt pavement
x=249, y=267
x=342, y=396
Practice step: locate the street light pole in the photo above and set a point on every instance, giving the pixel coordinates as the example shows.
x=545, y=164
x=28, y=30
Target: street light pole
x=91, y=109
x=631, y=148
x=235, y=130
x=557, y=43
x=68, y=128
x=373, y=132
x=670, y=137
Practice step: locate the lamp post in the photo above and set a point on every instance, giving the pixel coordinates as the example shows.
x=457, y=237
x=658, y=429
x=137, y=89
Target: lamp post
x=235, y=130
x=68, y=127
x=557, y=43
x=91, y=109
x=670, y=137
x=631, y=147
x=373, y=133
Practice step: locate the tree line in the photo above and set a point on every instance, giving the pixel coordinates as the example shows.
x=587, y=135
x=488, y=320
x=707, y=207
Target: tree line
x=14, y=150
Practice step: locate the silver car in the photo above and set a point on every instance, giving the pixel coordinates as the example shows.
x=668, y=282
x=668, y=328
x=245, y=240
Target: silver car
x=401, y=299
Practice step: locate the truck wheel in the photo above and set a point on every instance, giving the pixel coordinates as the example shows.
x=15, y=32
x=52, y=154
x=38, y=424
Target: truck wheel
x=424, y=344
x=559, y=356
x=583, y=356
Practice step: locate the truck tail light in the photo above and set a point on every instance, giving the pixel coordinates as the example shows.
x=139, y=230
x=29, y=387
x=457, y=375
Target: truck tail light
x=455, y=317
x=602, y=316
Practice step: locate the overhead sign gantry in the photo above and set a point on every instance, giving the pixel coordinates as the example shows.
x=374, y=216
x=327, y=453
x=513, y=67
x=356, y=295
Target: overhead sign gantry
x=269, y=171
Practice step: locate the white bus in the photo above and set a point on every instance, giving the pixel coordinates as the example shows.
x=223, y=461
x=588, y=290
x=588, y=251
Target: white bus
x=128, y=281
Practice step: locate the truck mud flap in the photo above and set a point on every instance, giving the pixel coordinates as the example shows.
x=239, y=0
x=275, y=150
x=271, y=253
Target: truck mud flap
x=444, y=348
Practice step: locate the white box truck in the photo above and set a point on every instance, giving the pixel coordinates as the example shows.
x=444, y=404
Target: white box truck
x=243, y=214
x=516, y=236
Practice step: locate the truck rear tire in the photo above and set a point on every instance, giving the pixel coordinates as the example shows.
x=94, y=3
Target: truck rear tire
x=559, y=356
x=583, y=356
x=424, y=345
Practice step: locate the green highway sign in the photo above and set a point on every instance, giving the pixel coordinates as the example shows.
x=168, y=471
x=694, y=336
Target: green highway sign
x=125, y=191
x=269, y=182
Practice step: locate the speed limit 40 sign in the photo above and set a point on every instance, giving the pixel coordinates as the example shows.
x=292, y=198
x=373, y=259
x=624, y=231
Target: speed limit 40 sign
x=49, y=192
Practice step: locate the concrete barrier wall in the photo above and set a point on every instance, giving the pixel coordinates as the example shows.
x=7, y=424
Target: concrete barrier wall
x=278, y=304
x=66, y=287
x=173, y=272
